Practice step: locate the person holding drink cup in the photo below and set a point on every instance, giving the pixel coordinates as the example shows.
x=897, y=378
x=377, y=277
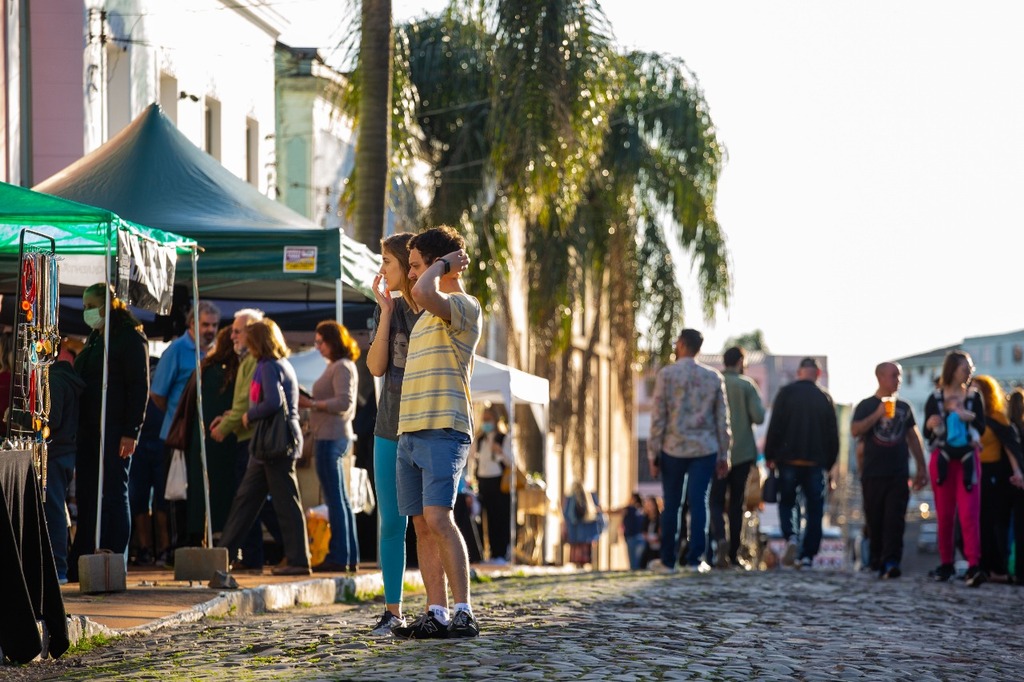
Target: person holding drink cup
x=889, y=406
x=885, y=427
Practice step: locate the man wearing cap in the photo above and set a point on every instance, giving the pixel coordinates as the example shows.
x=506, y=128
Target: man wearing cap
x=803, y=445
x=689, y=442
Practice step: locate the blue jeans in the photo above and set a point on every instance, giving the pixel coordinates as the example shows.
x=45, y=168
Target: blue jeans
x=148, y=479
x=695, y=473
x=636, y=545
x=59, y=472
x=344, y=545
x=811, y=482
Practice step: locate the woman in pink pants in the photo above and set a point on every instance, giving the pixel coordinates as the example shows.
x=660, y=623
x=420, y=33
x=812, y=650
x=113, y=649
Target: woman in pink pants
x=954, y=419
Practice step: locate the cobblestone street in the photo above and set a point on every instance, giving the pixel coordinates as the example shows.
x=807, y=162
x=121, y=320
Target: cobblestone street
x=723, y=626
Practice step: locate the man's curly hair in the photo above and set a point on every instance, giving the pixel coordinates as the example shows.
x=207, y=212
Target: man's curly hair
x=436, y=242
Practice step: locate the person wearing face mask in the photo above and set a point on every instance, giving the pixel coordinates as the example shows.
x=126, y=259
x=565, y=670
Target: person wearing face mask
x=487, y=462
x=127, y=394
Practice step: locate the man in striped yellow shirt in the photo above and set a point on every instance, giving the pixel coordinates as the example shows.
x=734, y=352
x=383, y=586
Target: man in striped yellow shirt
x=435, y=427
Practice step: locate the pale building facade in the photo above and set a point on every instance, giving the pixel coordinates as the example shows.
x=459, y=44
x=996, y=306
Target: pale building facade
x=96, y=65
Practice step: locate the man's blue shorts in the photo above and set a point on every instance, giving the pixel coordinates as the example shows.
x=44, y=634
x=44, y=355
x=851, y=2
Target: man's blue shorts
x=430, y=464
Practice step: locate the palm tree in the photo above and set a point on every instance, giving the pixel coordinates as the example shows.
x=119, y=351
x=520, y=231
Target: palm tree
x=599, y=157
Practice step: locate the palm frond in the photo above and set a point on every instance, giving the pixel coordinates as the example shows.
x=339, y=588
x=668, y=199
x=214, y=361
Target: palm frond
x=554, y=81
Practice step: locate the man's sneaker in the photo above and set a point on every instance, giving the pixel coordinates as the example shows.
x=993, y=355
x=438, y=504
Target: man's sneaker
x=425, y=627
x=974, y=577
x=463, y=625
x=789, y=554
x=702, y=567
x=943, y=573
x=386, y=625
x=806, y=563
x=657, y=566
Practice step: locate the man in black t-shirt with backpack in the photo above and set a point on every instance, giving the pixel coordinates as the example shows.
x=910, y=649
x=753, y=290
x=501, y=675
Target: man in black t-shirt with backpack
x=889, y=435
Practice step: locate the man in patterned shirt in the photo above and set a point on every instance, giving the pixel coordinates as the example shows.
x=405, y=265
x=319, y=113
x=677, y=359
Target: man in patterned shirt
x=689, y=442
x=435, y=428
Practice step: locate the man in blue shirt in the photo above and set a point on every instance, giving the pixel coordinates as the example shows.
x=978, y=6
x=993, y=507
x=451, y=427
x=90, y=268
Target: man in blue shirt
x=166, y=388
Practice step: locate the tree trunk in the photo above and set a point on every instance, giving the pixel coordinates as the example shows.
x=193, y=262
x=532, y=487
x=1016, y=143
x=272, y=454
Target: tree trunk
x=373, y=141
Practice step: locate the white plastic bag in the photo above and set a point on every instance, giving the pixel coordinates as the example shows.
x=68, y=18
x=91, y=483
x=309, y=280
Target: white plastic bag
x=360, y=494
x=177, y=478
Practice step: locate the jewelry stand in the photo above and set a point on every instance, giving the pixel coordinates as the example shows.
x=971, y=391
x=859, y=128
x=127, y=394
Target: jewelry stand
x=36, y=344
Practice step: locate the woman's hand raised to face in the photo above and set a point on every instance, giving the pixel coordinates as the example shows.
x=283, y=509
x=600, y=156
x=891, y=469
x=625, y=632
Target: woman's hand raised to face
x=382, y=293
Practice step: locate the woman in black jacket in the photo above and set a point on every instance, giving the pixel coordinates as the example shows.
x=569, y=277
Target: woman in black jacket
x=127, y=392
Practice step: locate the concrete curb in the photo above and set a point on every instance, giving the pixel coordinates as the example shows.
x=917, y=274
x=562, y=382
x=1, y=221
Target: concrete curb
x=282, y=596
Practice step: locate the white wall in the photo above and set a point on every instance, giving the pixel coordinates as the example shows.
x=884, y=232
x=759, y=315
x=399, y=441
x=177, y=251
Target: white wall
x=205, y=48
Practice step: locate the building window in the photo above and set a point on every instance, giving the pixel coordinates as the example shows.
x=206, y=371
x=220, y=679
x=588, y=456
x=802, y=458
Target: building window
x=252, y=149
x=1018, y=354
x=999, y=355
x=212, y=145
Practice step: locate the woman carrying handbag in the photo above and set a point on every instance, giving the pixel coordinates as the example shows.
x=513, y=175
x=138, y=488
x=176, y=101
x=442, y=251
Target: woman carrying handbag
x=275, y=445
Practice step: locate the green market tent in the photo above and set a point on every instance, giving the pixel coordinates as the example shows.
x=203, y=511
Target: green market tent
x=152, y=174
x=77, y=228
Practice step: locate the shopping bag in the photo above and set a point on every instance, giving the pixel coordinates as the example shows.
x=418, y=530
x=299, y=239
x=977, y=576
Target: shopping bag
x=361, y=495
x=176, y=488
x=752, y=490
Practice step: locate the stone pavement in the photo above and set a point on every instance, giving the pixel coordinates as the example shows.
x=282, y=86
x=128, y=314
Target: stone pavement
x=726, y=625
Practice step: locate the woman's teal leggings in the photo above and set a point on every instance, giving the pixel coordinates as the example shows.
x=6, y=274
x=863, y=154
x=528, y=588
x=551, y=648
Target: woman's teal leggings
x=391, y=524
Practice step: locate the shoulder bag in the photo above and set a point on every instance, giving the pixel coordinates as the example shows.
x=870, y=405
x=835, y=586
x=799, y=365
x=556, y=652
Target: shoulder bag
x=272, y=437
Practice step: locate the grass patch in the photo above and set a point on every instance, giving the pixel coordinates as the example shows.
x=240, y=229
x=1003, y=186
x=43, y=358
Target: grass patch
x=84, y=646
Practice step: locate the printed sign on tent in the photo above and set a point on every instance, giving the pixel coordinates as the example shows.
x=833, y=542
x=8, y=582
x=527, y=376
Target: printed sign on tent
x=145, y=273
x=300, y=259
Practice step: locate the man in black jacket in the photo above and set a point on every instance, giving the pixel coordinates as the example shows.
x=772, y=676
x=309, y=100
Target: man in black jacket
x=65, y=389
x=803, y=444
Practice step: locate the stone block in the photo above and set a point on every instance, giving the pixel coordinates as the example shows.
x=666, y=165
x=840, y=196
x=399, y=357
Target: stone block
x=102, y=572
x=199, y=563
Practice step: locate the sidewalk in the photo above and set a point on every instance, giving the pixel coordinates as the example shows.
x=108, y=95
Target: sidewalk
x=155, y=600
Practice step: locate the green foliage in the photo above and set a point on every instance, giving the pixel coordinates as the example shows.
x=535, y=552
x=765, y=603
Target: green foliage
x=525, y=112
x=750, y=341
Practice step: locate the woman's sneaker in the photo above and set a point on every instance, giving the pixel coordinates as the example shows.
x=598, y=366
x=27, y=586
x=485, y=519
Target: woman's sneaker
x=386, y=625
x=426, y=626
x=974, y=577
x=463, y=625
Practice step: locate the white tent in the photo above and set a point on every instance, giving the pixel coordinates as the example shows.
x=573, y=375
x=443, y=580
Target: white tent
x=498, y=383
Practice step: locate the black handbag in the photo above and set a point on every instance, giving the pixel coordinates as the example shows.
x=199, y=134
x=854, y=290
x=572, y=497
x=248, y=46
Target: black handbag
x=272, y=437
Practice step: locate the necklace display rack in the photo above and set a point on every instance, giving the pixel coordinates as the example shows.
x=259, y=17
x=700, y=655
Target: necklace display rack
x=36, y=344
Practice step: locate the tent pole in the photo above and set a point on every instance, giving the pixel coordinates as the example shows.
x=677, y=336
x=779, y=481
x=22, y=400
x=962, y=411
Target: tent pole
x=513, y=480
x=199, y=397
x=103, y=393
x=339, y=302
